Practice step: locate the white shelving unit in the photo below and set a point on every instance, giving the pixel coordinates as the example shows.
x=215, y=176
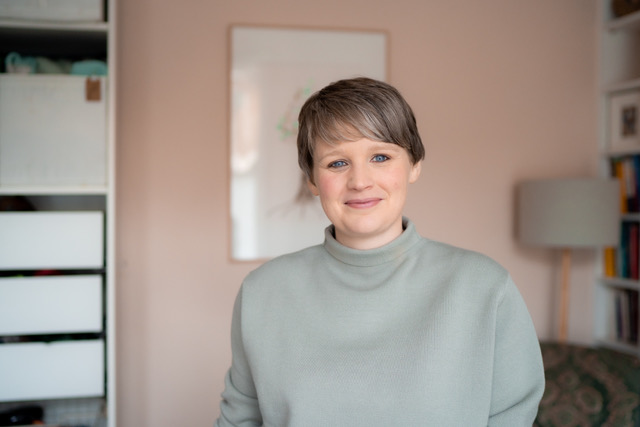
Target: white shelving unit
x=619, y=74
x=67, y=366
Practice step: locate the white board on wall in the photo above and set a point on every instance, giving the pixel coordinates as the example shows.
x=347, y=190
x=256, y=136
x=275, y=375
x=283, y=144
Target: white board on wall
x=273, y=72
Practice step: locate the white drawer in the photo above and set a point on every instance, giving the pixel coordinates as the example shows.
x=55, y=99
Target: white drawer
x=59, y=10
x=50, y=133
x=49, y=305
x=62, y=369
x=41, y=240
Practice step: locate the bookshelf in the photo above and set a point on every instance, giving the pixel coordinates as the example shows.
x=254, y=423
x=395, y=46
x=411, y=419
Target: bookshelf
x=57, y=220
x=617, y=290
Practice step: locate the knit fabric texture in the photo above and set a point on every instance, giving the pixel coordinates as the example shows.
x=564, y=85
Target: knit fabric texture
x=415, y=333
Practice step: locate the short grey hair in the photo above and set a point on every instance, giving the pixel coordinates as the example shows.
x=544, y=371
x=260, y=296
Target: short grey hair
x=350, y=109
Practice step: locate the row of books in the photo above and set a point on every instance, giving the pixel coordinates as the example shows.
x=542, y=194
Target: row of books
x=626, y=315
x=623, y=261
x=627, y=170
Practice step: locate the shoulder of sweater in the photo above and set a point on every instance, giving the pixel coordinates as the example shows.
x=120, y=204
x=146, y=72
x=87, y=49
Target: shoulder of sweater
x=480, y=275
x=465, y=257
x=286, y=263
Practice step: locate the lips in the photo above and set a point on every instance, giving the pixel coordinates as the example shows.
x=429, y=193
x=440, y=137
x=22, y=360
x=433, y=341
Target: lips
x=363, y=203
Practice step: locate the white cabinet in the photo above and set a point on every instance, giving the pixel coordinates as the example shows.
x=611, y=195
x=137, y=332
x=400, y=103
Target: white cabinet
x=68, y=145
x=57, y=214
x=57, y=370
x=50, y=305
x=616, y=298
x=51, y=240
x=58, y=10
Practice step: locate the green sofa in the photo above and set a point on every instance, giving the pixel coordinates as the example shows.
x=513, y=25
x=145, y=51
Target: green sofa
x=589, y=386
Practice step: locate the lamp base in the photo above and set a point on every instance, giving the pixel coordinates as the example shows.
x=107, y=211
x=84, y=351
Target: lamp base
x=564, y=296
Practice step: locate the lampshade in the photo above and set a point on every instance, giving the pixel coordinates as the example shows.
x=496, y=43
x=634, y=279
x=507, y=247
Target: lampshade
x=569, y=212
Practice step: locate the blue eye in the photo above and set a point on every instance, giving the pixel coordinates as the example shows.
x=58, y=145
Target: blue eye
x=338, y=164
x=380, y=158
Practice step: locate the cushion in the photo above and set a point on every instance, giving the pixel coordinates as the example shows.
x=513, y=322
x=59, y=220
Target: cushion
x=588, y=386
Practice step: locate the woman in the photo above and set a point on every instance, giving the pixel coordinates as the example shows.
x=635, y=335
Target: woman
x=378, y=326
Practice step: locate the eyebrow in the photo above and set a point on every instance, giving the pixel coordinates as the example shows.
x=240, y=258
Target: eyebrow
x=387, y=145
x=329, y=154
x=379, y=145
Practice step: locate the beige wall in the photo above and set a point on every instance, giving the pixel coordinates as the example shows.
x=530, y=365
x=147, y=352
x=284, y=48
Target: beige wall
x=502, y=91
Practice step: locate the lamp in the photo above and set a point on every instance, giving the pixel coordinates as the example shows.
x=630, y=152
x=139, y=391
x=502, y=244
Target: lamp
x=565, y=214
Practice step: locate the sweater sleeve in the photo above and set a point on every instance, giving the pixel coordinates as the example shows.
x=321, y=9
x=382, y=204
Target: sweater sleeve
x=518, y=377
x=239, y=406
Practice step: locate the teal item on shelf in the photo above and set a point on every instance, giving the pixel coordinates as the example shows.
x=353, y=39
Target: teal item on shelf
x=89, y=67
x=15, y=63
x=18, y=64
x=49, y=66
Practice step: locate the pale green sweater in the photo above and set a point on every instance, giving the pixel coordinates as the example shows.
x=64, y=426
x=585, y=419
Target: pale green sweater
x=416, y=333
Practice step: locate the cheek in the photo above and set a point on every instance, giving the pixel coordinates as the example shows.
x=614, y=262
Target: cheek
x=329, y=187
x=396, y=180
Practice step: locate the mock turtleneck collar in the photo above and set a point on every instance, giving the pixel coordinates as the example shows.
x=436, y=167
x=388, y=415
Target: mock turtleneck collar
x=371, y=257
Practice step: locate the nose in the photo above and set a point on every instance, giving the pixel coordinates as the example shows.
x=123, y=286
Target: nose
x=360, y=177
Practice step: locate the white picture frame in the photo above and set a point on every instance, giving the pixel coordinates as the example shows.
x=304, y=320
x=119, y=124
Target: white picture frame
x=624, y=122
x=273, y=71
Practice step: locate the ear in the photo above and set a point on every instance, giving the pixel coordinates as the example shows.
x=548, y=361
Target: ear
x=312, y=187
x=415, y=172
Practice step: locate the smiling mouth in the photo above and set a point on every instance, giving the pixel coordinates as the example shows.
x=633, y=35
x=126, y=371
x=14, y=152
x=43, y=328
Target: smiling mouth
x=362, y=203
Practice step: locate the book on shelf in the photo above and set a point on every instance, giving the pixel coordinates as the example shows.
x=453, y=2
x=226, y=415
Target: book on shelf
x=633, y=250
x=623, y=261
x=610, y=262
x=626, y=315
x=627, y=170
x=617, y=171
x=623, y=250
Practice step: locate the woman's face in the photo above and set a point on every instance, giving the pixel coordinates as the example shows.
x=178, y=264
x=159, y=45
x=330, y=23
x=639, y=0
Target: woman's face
x=362, y=186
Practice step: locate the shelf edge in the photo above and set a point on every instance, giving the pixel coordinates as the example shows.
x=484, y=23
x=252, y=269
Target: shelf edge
x=6, y=191
x=619, y=282
x=99, y=27
x=621, y=86
x=627, y=22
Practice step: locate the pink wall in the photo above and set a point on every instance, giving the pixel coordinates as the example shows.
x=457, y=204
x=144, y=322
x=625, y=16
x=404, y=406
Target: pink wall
x=502, y=90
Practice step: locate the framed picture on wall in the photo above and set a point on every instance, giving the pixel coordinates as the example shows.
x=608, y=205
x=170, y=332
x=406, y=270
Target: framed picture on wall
x=624, y=122
x=273, y=72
